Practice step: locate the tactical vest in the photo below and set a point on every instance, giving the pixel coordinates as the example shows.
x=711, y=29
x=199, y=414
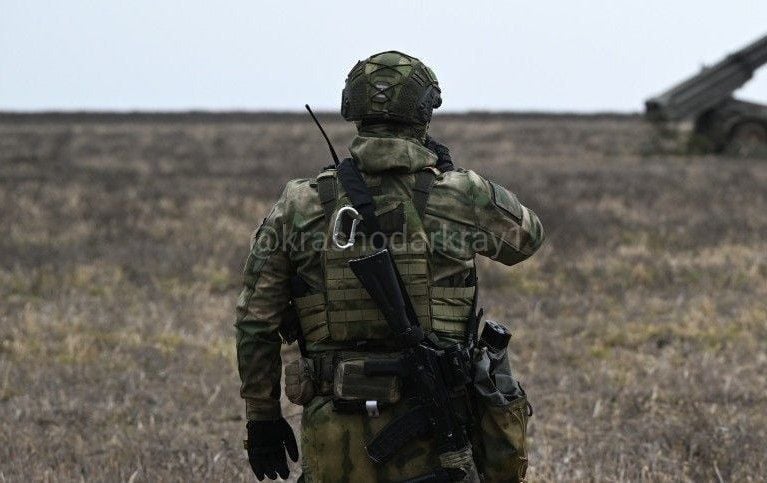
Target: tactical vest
x=344, y=312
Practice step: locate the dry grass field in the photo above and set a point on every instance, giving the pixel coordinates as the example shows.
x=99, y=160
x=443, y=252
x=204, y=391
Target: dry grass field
x=640, y=328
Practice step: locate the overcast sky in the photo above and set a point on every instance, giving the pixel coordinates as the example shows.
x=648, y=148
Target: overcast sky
x=563, y=55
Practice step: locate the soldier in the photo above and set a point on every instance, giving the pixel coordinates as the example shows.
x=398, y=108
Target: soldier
x=435, y=220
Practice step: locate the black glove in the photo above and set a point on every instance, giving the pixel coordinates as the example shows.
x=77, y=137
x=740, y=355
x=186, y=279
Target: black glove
x=444, y=160
x=266, y=445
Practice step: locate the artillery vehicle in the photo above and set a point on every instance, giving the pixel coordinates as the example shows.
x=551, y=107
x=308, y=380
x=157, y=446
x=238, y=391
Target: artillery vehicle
x=703, y=105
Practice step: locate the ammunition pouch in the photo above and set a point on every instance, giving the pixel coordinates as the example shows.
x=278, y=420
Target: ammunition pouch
x=351, y=383
x=502, y=413
x=299, y=381
x=502, y=453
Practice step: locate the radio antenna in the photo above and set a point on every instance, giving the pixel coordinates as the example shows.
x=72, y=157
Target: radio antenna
x=327, y=139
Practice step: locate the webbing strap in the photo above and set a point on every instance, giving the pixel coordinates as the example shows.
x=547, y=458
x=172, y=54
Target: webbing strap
x=460, y=311
x=359, y=194
x=452, y=292
x=472, y=327
x=326, y=188
x=424, y=181
x=314, y=321
x=335, y=295
x=309, y=301
x=367, y=314
x=345, y=273
x=449, y=326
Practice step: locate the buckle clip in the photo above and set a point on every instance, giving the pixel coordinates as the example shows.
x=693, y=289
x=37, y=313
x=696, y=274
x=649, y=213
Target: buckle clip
x=372, y=409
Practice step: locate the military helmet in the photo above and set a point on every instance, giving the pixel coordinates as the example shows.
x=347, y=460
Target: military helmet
x=390, y=86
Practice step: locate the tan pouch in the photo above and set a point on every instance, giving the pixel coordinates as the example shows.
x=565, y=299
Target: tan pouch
x=503, y=433
x=350, y=382
x=299, y=381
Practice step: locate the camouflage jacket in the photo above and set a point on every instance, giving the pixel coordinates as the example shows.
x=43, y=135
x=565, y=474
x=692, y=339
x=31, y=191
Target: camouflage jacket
x=461, y=202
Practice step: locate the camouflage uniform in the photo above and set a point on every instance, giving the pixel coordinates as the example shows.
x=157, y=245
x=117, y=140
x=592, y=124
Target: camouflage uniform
x=461, y=206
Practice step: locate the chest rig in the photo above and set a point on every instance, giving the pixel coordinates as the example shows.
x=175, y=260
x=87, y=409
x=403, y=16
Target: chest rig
x=344, y=313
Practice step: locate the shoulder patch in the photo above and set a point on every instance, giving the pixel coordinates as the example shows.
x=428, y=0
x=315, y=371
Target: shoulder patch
x=506, y=201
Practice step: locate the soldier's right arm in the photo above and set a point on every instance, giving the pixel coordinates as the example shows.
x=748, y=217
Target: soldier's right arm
x=479, y=217
x=470, y=215
x=509, y=232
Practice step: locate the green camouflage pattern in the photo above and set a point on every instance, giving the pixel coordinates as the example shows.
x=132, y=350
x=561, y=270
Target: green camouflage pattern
x=350, y=382
x=299, y=381
x=351, y=315
x=333, y=446
x=390, y=86
x=462, y=206
x=502, y=445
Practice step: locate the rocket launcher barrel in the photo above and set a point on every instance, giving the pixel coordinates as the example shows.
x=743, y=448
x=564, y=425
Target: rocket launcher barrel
x=709, y=87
